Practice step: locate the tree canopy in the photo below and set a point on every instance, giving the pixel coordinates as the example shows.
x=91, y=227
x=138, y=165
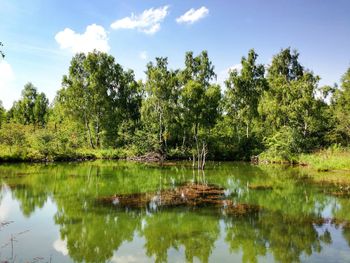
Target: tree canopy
x=276, y=110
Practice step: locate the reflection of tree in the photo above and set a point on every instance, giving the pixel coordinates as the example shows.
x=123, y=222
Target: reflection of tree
x=94, y=232
x=168, y=229
x=243, y=234
x=346, y=234
x=92, y=237
x=340, y=209
x=286, y=238
x=29, y=198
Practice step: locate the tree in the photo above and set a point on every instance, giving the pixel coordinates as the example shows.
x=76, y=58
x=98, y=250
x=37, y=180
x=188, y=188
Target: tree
x=40, y=110
x=341, y=110
x=2, y=114
x=98, y=93
x=200, y=100
x=291, y=101
x=128, y=102
x=160, y=108
x=243, y=92
x=32, y=108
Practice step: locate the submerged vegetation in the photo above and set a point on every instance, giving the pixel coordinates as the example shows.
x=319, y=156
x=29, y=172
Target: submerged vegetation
x=277, y=113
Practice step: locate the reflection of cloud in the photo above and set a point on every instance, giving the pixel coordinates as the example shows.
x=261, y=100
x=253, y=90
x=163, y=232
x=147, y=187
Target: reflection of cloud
x=123, y=259
x=5, y=203
x=61, y=246
x=4, y=211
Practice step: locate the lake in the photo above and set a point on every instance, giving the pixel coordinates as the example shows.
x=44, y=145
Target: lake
x=120, y=211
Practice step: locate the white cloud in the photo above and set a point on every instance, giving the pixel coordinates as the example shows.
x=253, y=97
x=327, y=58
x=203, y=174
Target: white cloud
x=61, y=246
x=237, y=67
x=7, y=79
x=6, y=74
x=193, y=15
x=143, y=55
x=94, y=37
x=123, y=259
x=223, y=75
x=148, y=22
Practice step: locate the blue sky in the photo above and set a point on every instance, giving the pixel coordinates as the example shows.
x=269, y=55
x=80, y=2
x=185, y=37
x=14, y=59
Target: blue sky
x=41, y=36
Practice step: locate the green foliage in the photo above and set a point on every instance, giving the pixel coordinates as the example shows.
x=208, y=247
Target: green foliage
x=160, y=107
x=243, y=93
x=99, y=94
x=290, y=103
x=341, y=111
x=13, y=135
x=2, y=114
x=200, y=104
x=32, y=108
x=281, y=146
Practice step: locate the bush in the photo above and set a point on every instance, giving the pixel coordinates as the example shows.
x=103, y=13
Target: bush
x=281, y=146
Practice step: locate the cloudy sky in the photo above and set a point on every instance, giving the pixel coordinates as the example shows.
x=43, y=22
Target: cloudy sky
x=41, y=36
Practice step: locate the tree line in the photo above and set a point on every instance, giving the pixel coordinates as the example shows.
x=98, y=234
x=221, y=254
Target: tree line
x=275, y=111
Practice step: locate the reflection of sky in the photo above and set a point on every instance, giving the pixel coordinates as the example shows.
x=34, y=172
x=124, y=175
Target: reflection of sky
x=5, y=205
x=131, y=252
x=38, y=230
x=329, y=209
x=61, y=246
x=337, y=252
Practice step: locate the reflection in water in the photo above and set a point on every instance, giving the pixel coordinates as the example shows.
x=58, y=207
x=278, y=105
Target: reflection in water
x=289, y=227
x=286, y=238
x=4, y=207
x=61, y=246
x=197, y=234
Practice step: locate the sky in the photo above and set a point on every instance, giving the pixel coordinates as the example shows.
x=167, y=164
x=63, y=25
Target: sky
x=41, y=36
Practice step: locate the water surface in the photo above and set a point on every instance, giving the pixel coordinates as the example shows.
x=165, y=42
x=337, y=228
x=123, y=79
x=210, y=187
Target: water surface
x=53, y=213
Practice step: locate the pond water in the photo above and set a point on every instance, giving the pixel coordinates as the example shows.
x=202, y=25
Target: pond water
x=75, y=213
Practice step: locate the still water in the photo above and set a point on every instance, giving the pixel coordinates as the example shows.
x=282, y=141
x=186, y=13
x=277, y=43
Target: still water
x=54, y=213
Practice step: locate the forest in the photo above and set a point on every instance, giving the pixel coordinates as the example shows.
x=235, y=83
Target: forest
x=271, y=112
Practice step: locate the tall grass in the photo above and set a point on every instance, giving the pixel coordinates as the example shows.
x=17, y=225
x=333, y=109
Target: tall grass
x=333, y=158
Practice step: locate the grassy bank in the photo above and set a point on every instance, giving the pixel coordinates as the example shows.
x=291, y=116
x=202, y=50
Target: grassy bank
x=334, y=158
x=17, y=154
x=329, y=159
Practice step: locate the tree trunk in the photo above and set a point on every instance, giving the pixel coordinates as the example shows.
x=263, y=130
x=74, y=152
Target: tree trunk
x=237, y=132
x=204, y=154
x=97, y=134
x=183, y=140
x=193, y=160
x=89, y=132
x=161, y=139
x=197, y=146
